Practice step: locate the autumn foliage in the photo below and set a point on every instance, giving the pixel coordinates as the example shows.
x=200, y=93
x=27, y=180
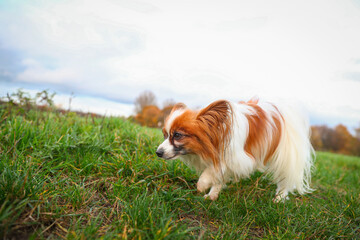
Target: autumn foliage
x=337, y=139
x=148, y=113
x=149, y=116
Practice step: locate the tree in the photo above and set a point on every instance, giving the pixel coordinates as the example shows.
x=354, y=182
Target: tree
x=327, y=136
x=169, y=103
x=316, y=138
x=146, y=98
x=343, y=139
x=337, y=139
x=149, y=116
x=357, y=132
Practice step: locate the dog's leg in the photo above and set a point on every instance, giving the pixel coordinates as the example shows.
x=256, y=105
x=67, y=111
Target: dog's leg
x=214, y=192
x=281, y=194
x=206, y=180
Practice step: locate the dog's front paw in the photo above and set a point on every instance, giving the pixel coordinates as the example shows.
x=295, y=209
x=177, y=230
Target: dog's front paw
x=280, y=198
x=211, y=197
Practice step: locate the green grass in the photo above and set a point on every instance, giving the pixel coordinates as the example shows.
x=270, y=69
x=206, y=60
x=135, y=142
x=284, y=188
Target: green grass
x=65, y=176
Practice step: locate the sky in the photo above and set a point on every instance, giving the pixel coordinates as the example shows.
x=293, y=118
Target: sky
x=107, y=52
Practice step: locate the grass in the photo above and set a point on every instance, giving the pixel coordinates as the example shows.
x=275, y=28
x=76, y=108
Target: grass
x=72, y=177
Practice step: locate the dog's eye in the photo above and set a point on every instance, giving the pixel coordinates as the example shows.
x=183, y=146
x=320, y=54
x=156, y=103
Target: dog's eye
x=177, y=136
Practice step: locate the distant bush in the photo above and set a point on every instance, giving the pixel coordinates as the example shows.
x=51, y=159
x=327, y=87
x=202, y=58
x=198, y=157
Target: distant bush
x=148, y=113
x=338, y=139
x=20, y=103
x=24, y=101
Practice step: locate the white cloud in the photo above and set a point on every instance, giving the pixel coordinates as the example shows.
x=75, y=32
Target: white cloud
x=36, y=73
x=194, y=51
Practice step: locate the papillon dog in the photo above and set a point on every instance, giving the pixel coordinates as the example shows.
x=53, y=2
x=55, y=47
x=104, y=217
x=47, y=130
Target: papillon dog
x=227, y=141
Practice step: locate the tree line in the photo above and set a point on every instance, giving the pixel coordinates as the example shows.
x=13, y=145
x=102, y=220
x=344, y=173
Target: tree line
x=337, y=139
x=324, y=138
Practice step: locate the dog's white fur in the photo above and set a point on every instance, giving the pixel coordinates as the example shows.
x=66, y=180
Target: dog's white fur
x=290, y=165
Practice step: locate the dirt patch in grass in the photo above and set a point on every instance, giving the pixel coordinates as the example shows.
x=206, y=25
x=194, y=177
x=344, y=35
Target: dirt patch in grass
x=200, y=222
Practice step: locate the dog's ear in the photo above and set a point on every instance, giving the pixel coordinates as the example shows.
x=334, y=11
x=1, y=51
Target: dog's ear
x=215, y=115
x=215, y=121
x=178, y=106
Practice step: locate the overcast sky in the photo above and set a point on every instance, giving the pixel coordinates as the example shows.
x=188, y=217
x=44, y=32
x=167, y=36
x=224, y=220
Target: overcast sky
x=107, y=52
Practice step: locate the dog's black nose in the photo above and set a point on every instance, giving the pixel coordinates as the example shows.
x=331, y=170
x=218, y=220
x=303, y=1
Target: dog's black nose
x=160, y=152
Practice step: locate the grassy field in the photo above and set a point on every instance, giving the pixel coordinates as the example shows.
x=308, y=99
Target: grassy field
x=65, y=176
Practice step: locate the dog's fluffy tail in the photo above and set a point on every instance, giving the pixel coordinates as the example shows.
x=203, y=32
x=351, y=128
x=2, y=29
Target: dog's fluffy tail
x=293, y=160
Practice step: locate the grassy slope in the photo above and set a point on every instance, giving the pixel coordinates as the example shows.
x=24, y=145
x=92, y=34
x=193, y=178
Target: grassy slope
x=77, y=177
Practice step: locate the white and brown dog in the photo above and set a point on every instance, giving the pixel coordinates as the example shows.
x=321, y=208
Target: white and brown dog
x=228, y=141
